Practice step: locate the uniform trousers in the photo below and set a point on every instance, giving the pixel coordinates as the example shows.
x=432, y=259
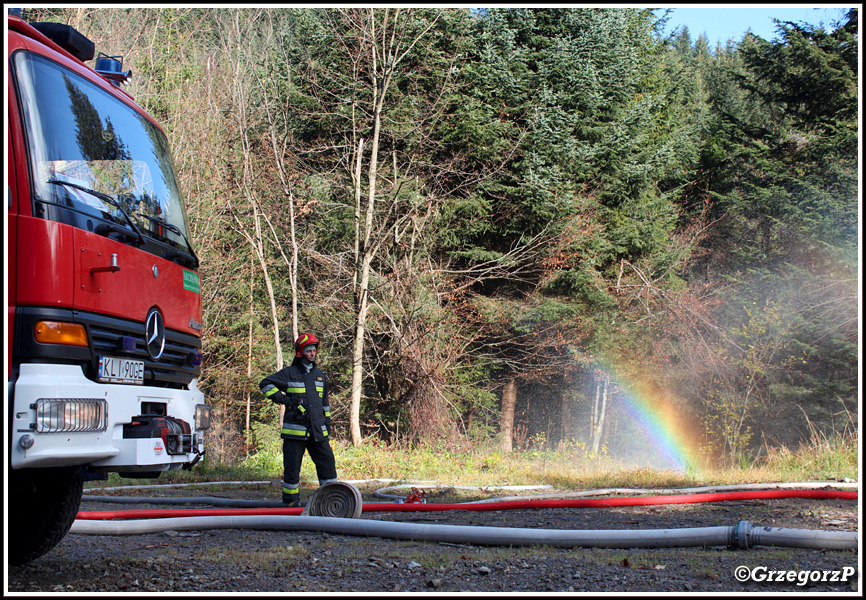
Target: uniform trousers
x=293, y=455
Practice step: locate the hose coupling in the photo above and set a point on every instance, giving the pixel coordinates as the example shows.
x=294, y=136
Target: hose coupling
x=741, y=535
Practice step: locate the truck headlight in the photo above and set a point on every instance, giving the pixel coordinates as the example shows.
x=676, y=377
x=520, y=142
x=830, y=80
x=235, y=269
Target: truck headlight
x=202, y=416
x=65, y=415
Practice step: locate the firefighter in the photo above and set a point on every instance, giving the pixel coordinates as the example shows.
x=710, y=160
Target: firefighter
x=303, y=389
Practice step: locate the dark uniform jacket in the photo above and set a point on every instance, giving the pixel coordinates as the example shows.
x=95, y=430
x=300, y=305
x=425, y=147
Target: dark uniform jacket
x=306, y=398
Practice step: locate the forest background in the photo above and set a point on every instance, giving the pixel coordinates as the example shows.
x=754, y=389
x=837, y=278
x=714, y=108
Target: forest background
x=519, y=228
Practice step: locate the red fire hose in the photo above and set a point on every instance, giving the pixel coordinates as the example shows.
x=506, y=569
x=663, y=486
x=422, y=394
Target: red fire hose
x=506, y=505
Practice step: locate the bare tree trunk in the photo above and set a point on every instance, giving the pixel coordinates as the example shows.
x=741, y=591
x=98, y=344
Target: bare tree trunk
x=564, y=419
x=356, y=181
x=363, y=288
x=257, y=244
x=593, y=417
x=238, y=56
x=598, y=424
x=506, y=420
x=273, y=114
x=358, y=351
x=249, y=357
x=360, y=282
x=383, y=62
x=602, y=416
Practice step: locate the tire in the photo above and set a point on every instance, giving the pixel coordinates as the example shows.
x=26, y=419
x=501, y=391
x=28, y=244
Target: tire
x=42, y=506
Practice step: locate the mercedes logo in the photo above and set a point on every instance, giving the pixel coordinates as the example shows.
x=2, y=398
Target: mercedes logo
x=154, y=333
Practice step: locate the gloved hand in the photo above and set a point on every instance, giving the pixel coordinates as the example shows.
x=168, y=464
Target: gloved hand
x=279, y=398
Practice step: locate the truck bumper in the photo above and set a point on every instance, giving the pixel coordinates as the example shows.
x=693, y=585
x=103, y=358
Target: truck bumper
x=61, y=418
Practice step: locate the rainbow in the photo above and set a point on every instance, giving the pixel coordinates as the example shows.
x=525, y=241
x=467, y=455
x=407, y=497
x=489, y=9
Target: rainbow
x=672, y=437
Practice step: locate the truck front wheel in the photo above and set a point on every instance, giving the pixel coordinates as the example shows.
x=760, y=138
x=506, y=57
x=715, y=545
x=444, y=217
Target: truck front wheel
x=42, y=506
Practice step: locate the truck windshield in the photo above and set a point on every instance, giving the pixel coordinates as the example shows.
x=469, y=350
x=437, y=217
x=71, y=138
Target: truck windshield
x=82, y=136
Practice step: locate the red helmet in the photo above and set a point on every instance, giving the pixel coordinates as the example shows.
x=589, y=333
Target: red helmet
x=305, y=339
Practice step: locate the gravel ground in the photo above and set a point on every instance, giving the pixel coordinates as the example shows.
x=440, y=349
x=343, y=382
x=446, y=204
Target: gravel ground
x=232, y=560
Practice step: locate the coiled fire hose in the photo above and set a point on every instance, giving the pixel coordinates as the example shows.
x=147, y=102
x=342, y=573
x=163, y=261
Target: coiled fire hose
x=335, y=499
x=335, y=507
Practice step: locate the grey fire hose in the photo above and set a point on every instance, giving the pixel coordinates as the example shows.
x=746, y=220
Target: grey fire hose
x=212, y=500
x=331, y=499
x=742, y=535
x=382, y=492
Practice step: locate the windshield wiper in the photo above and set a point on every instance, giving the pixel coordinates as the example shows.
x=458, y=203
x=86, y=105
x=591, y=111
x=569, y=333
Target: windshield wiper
x=174, y=229
x=106, y=198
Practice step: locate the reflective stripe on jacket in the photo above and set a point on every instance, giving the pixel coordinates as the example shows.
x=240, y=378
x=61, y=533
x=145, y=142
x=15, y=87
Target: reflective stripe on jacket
x=308, y=413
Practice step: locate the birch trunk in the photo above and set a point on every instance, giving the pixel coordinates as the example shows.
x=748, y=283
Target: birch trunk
x=506, y=422
x=385, y=51
x=249, y=358
x=603, y=391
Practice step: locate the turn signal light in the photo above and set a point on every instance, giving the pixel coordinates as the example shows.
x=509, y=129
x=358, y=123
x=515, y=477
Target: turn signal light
x=57, y=332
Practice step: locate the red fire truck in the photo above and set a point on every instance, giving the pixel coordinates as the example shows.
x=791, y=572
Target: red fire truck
x=104, y=312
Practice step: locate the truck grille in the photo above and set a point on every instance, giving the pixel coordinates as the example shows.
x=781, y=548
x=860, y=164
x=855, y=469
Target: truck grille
x=113, y=337
x=109, y=337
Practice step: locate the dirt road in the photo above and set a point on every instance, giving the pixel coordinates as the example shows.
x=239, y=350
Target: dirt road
x=234, y=560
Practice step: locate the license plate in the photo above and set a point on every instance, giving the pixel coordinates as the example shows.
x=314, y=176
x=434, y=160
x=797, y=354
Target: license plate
x=121, y=370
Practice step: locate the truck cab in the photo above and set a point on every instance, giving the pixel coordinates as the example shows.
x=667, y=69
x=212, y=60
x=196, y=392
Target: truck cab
x=104, y=305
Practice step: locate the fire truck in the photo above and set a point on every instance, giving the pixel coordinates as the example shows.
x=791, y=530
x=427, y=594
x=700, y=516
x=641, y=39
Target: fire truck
x=104, y=311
